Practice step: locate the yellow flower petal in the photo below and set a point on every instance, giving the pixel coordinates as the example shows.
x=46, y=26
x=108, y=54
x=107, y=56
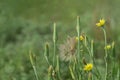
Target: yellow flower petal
x=88, y=67
x=98, y=24
x=102, y=22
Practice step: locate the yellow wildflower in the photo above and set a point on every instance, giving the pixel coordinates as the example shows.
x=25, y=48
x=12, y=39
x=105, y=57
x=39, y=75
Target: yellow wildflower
x=81, y=38
x=108, y=47
x=88, y=67
x=100, y=23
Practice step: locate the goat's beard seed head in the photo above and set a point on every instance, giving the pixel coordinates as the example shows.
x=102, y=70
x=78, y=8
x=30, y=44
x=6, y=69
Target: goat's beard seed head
x=67, y=50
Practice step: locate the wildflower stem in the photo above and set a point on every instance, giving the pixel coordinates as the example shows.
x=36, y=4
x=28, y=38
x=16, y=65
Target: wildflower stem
x=71, y=72
x=78, y=34
x=92, y=56
x=93, y=60
x=78, y=45
x=118, y=74
x=47, y=60
x=106, y=55
x=50, y=72
x=54, y=42
x=58, y=68
x=92, y=50
x=113, y=58
x=33, y=65
x=35, y=71
x=46, y=53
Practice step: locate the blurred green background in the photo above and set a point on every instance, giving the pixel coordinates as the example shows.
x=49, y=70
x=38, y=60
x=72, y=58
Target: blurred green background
x=27, y=24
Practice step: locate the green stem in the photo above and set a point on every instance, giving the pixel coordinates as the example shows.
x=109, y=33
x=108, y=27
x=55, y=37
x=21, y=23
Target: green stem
x=78, y=45
x=118, y=73
x=71, y=72
x=54, y=42
x=46, y=53
x=113, y=58
x=93, y=60
x=54, y=54
x=33, y=64
x=35, y=71
x=106, y=55
x=47, y=60
x=58, y=68
x=78, y=35
x=92, y=56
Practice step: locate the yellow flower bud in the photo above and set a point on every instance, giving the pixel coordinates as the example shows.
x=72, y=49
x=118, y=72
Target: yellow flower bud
x=81, y=38
x=108, y=47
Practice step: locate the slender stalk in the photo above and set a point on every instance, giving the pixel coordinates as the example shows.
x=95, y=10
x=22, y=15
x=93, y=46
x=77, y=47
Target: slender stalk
x=33, y=65
x=46, y=53
x=58, y=68
x=50, y=69
x=92, y=56
x=92, y=49
x=47, y=60
x=118, y=74
x=71, y=72
x=93, y=60
x=90, y=76
x=78, y=35
x=78, y=46
x=35, y=71
x=106, y=55
x=113, y=58
x=54, y=42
